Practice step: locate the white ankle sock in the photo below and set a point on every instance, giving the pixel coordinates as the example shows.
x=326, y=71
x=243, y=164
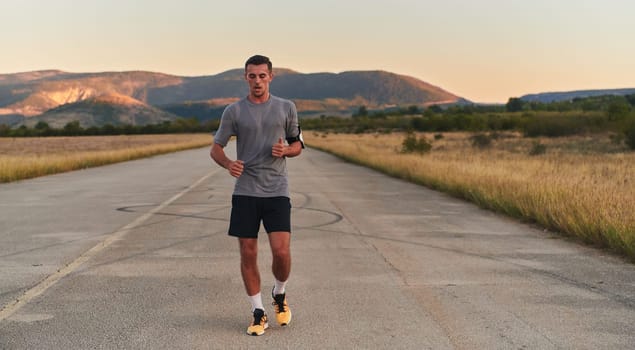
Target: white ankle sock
x=256, y=302
x=279, y=287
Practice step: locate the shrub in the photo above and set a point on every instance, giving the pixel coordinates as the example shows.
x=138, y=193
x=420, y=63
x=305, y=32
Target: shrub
x=5, y=130
x=564, y=124
x=618, y=109
x=481, y=140
x=413, y=145
x=630, y=136
x=617, y=139
x=537, y=149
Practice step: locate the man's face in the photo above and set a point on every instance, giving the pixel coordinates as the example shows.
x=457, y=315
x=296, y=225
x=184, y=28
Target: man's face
x=258, y=77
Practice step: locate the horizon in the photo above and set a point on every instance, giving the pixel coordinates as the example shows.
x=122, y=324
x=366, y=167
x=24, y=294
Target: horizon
x=485, y=52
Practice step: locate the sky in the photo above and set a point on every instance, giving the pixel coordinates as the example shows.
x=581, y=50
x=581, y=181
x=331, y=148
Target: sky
x=483, y=50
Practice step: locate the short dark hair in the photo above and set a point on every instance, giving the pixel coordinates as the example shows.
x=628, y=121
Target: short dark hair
x=258, y=60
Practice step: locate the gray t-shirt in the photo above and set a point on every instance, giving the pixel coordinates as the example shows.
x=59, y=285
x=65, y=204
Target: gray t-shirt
x=257, y=127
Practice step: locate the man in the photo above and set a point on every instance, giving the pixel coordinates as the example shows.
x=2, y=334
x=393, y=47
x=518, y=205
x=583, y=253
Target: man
x=261, y=123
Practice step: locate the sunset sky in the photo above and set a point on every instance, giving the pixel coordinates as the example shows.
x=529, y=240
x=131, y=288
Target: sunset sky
x=485, y=51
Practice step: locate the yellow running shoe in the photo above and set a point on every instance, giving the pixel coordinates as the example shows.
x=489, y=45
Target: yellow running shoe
x=283, y=313
x=259, y=324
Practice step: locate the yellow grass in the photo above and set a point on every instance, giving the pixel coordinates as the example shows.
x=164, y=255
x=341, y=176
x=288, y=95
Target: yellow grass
x=23, y=158
x=588, y=194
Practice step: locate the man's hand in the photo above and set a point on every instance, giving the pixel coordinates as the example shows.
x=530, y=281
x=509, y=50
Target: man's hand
x=278, y=149
x=236, y=168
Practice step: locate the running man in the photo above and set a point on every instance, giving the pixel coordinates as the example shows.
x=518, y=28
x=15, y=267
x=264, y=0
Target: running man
x=267, y=132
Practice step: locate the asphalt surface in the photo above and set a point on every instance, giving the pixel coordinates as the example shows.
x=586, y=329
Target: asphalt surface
x=135, y=256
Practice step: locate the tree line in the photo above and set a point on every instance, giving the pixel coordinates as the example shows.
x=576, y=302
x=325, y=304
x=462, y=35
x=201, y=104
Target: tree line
x=74, y=128
x=610, y=113
x=613, y=114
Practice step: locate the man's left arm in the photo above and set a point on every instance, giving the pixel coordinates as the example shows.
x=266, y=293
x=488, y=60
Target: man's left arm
x=280, y=150
x=295, y=143
x=294, y=149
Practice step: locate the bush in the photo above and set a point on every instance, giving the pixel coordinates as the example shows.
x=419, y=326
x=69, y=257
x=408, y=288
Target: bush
x=618, y=109
x=617, y=139
x=5, y=130
x=481, y=141
x=564, y=124
x=630, y=136
x=537, y=149
x=413, y=145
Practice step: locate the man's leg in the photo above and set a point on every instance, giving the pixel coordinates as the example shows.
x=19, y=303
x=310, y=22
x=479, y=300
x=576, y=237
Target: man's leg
x=280, y=243
x=249, y=265
x=281, y=268
x=251, y=279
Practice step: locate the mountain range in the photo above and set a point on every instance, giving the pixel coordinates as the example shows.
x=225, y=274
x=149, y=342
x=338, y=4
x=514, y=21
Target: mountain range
x=548, y=97
x=139, y=97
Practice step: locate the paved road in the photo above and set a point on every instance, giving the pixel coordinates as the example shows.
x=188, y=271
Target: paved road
x=135, y=256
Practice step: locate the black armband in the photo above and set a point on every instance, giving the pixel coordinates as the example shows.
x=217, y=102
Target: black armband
x=291, y=140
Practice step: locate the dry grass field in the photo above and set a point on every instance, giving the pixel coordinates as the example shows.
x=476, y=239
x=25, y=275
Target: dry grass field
x=23, y=158
x=581, y=186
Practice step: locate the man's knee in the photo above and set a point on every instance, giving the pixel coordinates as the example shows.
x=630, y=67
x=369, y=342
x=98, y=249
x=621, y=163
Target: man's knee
x=281, y=253
x=248, y=249
x=280, y=244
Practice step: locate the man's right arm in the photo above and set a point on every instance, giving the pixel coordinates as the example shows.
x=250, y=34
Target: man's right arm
x=217, y=153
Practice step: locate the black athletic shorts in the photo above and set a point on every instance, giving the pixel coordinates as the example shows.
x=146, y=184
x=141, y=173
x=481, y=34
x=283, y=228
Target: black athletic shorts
x=248, y=212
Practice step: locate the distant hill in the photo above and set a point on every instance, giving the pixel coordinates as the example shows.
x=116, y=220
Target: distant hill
x=33, y=93
x=114, y=109
x=548, y=97
x=374, y=88
x=56, y=95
